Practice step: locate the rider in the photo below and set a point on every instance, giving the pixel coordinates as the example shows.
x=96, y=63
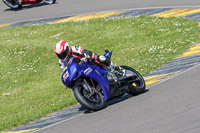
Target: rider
x=65, y=52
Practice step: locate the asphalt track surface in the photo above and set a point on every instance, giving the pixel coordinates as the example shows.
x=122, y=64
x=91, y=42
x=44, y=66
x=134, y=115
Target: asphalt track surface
x=73, y=7
x=172, y=106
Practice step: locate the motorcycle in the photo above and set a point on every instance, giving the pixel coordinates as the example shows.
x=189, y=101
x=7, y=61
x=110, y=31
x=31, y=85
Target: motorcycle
x=94, y=85
x=16, y=4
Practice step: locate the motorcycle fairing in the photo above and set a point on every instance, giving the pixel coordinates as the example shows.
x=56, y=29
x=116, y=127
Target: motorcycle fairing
x=97, y=73
x=70, y=74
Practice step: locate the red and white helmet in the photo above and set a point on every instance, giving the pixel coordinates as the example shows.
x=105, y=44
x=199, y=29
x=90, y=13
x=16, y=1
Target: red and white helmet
x=62, y=49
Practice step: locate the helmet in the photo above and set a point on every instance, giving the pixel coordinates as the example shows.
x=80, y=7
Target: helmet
x=62, y=49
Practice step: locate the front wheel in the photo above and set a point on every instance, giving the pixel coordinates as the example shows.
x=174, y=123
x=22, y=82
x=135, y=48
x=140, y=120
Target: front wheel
x=14, y=4
x=49, y=1
x=91, y=101
x=137, y=84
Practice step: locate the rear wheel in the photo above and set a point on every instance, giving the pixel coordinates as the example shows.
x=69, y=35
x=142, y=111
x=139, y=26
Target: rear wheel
x=91, y=101
x=49, y=1
x=12, y=4
x=137, y=84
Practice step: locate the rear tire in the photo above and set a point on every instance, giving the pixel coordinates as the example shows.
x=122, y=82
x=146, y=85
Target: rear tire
x=79, y=93
x=12, y=4
x=137, y=87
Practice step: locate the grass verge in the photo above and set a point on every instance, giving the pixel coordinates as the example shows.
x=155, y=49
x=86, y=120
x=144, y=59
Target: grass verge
x=30, y=75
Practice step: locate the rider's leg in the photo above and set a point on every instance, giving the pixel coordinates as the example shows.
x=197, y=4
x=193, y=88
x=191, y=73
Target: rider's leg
x=118, y=68
x=103, y=60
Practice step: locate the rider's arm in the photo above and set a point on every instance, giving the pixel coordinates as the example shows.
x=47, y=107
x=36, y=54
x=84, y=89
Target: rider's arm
x=80, y=52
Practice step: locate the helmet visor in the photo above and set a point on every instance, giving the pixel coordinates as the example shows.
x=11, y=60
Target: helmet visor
x=63, y=54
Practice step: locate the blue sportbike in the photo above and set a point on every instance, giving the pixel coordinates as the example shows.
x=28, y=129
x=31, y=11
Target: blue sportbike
x=94, y=84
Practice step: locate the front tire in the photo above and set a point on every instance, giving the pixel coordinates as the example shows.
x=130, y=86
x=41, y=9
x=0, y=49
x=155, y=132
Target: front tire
x=90, y=101
x=12, y=4
x=49, y=1
x=138, y=86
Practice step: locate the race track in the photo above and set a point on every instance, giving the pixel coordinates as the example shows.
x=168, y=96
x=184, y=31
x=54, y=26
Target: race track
x=71, y=7
x=171, y=106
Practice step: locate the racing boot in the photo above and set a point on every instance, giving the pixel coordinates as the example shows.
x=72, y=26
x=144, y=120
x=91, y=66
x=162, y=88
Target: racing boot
x=120, y=70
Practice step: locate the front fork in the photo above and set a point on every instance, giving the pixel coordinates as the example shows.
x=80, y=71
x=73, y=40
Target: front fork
x=87, y=87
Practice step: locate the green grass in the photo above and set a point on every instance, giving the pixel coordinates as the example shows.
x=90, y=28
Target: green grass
x=30, y=76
